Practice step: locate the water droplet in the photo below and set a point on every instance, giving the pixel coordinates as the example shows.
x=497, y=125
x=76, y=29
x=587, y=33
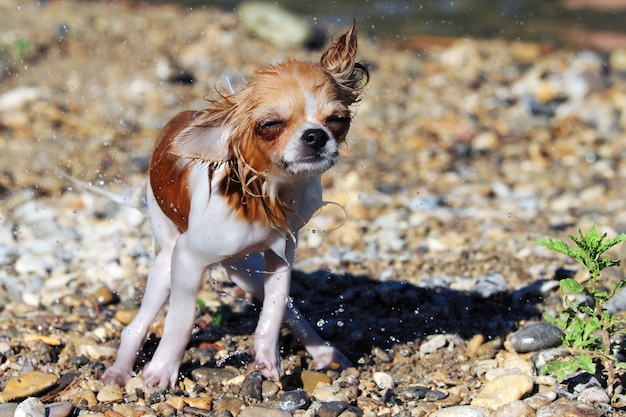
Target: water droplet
x=320, y=323
x=340, y=323
x=509, y=215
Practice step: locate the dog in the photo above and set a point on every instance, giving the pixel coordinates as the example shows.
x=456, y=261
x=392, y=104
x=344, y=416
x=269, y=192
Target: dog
x=232, y=185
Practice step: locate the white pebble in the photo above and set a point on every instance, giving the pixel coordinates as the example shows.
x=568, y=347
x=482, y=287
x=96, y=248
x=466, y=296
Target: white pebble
x=460, y=411
x=434, y=344
x=30, y=407
x=383, y=380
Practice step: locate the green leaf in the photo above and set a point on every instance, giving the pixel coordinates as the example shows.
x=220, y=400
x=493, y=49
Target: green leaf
x=585, y=362
x=570, y=285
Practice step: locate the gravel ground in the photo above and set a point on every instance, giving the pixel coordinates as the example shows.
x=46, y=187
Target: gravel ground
x=462, y=153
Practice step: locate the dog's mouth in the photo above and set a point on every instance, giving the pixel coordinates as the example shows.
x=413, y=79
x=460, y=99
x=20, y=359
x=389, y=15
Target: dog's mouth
x=310, y=164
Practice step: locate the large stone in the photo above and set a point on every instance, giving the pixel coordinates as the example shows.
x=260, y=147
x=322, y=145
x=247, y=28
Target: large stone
x=26, y=385
x=502, y=390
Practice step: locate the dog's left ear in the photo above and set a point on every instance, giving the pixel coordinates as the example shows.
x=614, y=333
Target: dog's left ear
x=339, y=61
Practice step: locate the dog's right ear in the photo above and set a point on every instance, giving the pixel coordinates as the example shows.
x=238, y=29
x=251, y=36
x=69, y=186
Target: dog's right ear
x=339, y=61
x=197, y=138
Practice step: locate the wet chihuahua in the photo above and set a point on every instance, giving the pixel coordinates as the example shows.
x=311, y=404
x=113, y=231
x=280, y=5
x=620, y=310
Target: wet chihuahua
x=232, y=185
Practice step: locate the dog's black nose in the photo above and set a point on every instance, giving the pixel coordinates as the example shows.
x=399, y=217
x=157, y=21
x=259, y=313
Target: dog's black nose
x=315, y=138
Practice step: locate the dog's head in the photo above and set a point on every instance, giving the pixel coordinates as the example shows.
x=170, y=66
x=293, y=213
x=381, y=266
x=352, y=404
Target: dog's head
x=288, y=120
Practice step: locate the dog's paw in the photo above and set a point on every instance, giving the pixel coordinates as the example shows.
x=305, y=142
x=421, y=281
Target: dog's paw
x=328, y=357
x=115, y=376
x=267, y=361
x=162, y=375
x=268, y=370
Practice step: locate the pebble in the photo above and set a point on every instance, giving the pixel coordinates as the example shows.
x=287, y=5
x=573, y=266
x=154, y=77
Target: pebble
x=502, y=390
x=269, y=389
x=383, y=380
x=110, y=394
x=25, y=385
x=594, y=395
x=564, y=408
x=538, y=336
x=262, y=411
x=433, y=344
x=30, y=407
x=205, y=376
x=274, y=24
x=81, y=397
x=489, y=285
x=97, y=352
x=125, y=316
x=459, y=411
x=311, y=379
x=331, y=408
x=294, y=400
x=201, y=403
x=252, y=386
x=514, y=409
x=541, y=399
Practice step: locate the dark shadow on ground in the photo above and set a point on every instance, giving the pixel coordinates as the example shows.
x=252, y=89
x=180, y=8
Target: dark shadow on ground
x=358, y=313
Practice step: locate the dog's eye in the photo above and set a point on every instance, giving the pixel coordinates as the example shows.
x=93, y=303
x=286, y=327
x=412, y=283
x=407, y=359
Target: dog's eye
x=338, y=124
x=272, y=124
x=269, y=129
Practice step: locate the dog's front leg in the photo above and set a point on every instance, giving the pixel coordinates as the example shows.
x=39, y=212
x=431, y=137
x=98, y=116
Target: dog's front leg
x=249, y=276
x=157, y=291
x=276, y=297
x=187, y=269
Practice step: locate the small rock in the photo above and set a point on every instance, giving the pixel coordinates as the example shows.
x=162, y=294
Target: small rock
x=503, y=390
x=252, y=386
x=204, y=376
x=125, y=316
x=231, y=405
x=103, y=295
x=324, y=392
x=97, y=352
x=8, y=409
x=594, y=395
x=311, y=379
x=30, y=407
x=489, y=285
x=60, y=409
x=81, y=397
x=536, y=337
x=331, y=408
x=459, y=411
x=383, y=380
x=269, y=389
x=514, y=409
x=540, y=399
x=260, y=411
x=110, y=394
x=294, y=400
x=473, y=345
x=30, y=383
x=433, y=344
x=273, y=23
x=566, y=408
x=201, y=403
x=48, y=340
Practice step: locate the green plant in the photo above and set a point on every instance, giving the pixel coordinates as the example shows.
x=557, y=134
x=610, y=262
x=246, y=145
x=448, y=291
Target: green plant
x=587, y=327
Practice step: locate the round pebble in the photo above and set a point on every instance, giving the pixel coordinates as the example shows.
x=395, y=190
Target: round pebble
x=294, y=400
x=30, y=407
x=536, y=337
x=459, y=411
x=383, y=380
x=28, y=384
x=502, y=390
